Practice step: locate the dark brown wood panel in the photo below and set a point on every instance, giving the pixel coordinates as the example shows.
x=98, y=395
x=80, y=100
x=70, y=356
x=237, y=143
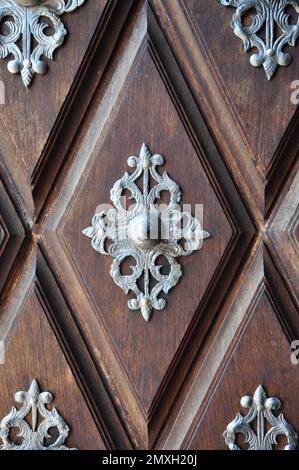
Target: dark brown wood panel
x=253, y=361
x=40, y=104
x=170, y=73
x=34, y=352
x=136, y=99
x=264, y=110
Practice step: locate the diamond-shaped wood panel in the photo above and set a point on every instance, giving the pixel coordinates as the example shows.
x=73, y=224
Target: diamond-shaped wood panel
x=253, y=120
x=11, y=234
x=34, y=352
x=253, y=367
x=261, y=314
x=283, y=231
x=214, y=22
x=170, y=73
x=31, y=114
x=139, y=102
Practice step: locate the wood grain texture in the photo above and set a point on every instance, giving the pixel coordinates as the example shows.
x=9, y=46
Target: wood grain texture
x=146, y=350
x=253, y=361
x=232, y=95
x=40, y=104
x=136, y=100
x=246, y=88
x=283, y=231
x=34, y=352
x=170, y=73
x=11, y=234
x=274, y=325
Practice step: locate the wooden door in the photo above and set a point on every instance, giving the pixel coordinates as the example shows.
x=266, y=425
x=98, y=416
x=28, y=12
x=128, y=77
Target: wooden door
x=170, y=73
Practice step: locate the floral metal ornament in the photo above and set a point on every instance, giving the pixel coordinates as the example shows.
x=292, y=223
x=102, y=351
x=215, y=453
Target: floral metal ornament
x=146, y=232
x=272, y=15
x=31, y=21
x=260, y=409
x=34, y=403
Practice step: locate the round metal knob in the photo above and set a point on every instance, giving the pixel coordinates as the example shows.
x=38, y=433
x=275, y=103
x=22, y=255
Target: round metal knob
x=30, y=3
x=144, y=231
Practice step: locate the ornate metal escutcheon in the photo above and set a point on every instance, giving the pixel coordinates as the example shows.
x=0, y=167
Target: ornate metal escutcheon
x=146, y=231
x=32, y=21
x=33, y=403
x=272, y=15
x=260, y=409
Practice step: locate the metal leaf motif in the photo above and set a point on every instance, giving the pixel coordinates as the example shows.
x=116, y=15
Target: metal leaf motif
x=260, y=409
x=28, y=23
x=114, y=224
x=33, y=436
x=271, y=14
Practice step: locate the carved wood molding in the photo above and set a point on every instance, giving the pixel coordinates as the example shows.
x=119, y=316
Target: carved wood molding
x=186, y=425
x=88, y=305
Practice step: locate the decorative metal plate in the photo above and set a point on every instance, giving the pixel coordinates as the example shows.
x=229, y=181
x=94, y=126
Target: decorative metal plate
x=31, y=21
x=272, y=15
x=260, y=409
x=145, y=232
x=33, y=402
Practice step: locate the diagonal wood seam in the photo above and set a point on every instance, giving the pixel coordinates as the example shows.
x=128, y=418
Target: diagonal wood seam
x=279, y=232
x=206, y=85
x=19, y=195
x=66, y=322
x=278, y=154
x=26, y=281
x=37, y=236
x=16, y=224
x=16, y=290
x=77, y=174
x=4, y=235
x=120, y=388
x=220, y=82
x=197, y=392
x=259, y=193
x=74, y=90
x=291, y=228
x=84, y=84
x=70, y=358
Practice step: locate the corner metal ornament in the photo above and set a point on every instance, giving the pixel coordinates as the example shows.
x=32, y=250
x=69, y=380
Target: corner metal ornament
x=260, y=409
x=33, y=30
x=271, y=15
x=34, y=403
x=146, y=232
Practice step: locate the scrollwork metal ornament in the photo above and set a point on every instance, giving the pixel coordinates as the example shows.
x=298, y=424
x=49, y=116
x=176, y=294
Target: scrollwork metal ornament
x=146, y=232
x=32, y=22
x=260, y=409
x=33, y=436
x=272, y=15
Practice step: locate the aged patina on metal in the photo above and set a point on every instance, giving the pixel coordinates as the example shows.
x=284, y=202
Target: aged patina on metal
x=145, y=233
x=25, y=20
